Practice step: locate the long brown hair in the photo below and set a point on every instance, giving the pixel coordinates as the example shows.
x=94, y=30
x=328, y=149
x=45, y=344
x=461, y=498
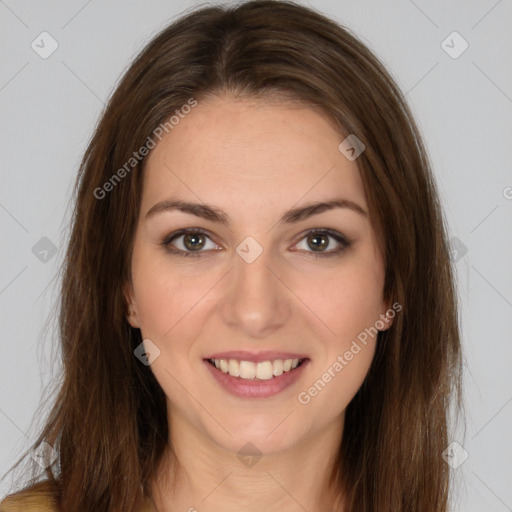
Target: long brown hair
x=109, y=422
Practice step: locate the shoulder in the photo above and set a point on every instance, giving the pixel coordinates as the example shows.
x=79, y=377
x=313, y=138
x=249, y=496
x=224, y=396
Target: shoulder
x=39, y=497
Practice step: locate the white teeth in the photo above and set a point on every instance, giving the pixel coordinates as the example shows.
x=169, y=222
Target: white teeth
x=278, y=367
x=264, y=370
x=247, y=370
x=234, y=368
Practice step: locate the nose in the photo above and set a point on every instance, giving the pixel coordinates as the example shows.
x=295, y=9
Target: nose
x=256, y=302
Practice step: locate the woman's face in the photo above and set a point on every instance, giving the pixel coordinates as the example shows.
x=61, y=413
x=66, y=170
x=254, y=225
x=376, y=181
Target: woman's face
x=251, y=285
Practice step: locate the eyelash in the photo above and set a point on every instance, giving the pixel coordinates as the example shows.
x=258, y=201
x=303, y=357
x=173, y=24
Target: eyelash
x=343, y=241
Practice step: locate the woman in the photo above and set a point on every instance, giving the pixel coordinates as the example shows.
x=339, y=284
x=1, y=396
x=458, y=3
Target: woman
x=258, y=308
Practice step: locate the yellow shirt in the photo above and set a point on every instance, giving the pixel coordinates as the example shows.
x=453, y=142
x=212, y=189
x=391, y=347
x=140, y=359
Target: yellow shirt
x=39, y=498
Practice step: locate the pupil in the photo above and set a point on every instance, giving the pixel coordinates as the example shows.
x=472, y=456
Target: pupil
x=193, y=241
x=321, y=239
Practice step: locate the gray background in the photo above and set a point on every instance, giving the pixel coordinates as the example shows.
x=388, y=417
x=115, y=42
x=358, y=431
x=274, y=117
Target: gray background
x=49, y=108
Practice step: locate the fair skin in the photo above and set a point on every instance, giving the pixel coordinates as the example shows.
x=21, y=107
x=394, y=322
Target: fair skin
x=254, y=161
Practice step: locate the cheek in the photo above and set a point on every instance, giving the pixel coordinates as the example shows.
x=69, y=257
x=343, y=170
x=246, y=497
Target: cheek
x=353, y=304
x=350, y=300
x=165, y=294
x=350, y=306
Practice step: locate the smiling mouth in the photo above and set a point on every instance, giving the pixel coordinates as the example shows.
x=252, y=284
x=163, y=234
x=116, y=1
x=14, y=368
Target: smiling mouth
x=248, y=370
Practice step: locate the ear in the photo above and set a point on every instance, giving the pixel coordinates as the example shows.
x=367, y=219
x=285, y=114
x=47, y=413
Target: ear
x=386, y=317
x=132, y=314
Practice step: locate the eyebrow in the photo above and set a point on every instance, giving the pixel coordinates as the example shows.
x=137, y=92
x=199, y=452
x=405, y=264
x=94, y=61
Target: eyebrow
x=291, y=216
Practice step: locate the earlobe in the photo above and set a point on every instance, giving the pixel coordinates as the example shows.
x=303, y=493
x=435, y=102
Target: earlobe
x=132, y=315
x=386, y=318
x=387, y=321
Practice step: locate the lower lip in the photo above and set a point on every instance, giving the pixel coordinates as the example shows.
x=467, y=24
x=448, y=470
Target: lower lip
x=256, y=388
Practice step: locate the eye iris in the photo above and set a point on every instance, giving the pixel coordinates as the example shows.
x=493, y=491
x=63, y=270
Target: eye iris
x=193, y=241
x=321, y=240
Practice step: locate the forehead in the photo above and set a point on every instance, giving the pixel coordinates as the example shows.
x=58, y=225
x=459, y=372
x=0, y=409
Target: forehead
x=245, y=150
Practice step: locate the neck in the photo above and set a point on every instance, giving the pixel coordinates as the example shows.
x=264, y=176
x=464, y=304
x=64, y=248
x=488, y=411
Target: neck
x=201, y=475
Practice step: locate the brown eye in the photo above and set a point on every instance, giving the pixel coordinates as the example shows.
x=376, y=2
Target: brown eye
x=318, y=242
x=189, y=242
x=323, y=242
x=193, y=241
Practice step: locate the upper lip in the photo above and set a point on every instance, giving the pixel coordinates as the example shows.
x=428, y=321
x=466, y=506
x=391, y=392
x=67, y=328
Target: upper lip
x=256, y=357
